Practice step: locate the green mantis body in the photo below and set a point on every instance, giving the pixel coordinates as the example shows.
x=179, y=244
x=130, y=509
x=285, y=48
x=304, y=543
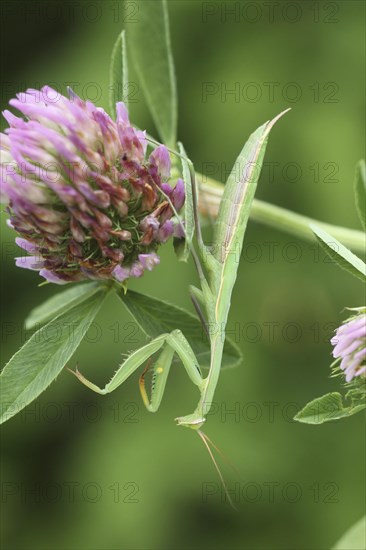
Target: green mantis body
x=217, y=268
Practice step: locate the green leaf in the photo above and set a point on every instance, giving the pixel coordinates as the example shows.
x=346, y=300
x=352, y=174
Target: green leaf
x=189, y=225
x=233, y=216
x=32, y=369
x=156, y=317
x=354, y=538
x=148, y=41
x=59, y=303
x=239, y=192
x=360, y=191
x=340, y=254
x=118, y=74
x=328, y=407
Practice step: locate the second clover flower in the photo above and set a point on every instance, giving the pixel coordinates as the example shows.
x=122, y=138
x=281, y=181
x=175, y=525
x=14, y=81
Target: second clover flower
x=86, y=200
x=350, y=346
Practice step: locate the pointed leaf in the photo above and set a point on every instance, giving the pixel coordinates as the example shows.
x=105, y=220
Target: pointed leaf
x=118, y=74
x=239, y=192
x=340, y=254
x=233, y=216
x=156, y=317
x=32, y=369
x=328, y=407
x=59, y=303
x=148, y=41
x=360, y=191
x=183, y=249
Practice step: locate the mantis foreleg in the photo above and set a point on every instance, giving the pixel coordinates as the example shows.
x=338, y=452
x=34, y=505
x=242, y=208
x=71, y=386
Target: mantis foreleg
x=160, y=375
x=172, y=343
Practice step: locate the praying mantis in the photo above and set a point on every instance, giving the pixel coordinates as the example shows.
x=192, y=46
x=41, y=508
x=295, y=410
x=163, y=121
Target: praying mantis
x=217, y=267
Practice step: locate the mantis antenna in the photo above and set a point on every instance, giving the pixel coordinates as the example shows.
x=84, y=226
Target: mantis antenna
x=206, y=441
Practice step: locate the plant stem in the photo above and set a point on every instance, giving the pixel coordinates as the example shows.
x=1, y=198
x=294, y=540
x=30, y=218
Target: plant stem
x=279, y=218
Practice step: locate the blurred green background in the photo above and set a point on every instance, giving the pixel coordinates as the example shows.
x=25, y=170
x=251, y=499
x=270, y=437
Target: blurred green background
x=81, y=471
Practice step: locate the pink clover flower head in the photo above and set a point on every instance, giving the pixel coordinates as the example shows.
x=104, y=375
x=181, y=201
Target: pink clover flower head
x=350, y=346
x=83, y=195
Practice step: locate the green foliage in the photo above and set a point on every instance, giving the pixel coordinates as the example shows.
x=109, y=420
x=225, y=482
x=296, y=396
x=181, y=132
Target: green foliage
x=328, y=407
x=234, y=212
x=32, y=369
x=239, y=192
x=340, y=254
x=148, y=40
x=60, y=303
x=118, y=74
x=360, y=191
x=168, y=467
x=189, y=224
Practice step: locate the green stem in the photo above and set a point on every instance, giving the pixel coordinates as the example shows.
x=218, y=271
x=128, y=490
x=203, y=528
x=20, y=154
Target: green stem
x=279, y=218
